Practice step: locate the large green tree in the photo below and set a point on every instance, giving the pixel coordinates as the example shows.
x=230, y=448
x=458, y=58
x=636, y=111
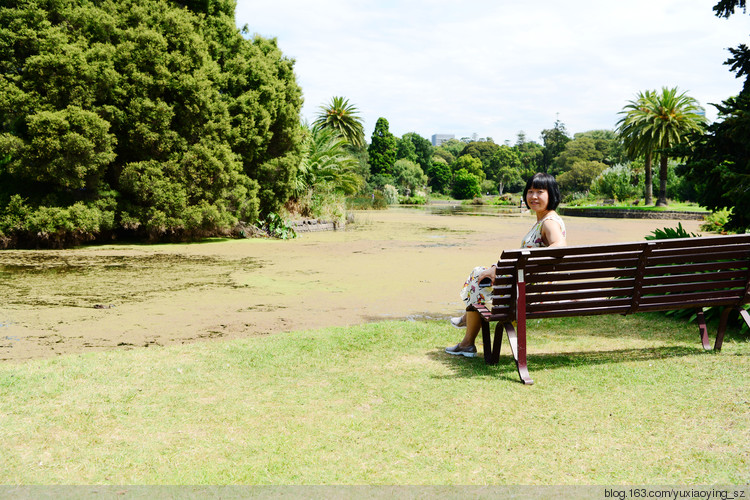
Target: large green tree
x=506, y=168
x=554, y=140
x=344, y=118
x=382, y=149
x=719, y=165
x=579, y=149
x=423, y=149
x=439, y=175
x=152, y=117
x=484, y=151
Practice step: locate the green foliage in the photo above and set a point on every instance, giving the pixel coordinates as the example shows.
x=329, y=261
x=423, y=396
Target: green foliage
x=413, y=200
x=720, y=166
x=406, y=150
x=390, y=193
x=56, y=227
x=423, y=149
x=439, y=175
x=344, y=118
x=374, y=200
x=443, y=154
x=327, y=164
x=710, y=313
x=715, y=222
x=489, y=187
x=580, y=175
x=608, y=142
x=531, y=154
x=277, y=227
x=656, y=123
x=577, y=150
x=484, y=151
x=615, y=182
x=382, y=149
x=466, y=185
x=671, y=232
x=453, y=146
x=554, y=140
x=167, y=116
x=505, y=168
x=408, y=175
x=470, y=164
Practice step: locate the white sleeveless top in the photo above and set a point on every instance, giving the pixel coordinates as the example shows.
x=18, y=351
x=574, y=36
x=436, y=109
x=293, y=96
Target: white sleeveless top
x=533, y=238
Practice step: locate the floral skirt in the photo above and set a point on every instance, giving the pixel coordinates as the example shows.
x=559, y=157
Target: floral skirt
x=472, y=293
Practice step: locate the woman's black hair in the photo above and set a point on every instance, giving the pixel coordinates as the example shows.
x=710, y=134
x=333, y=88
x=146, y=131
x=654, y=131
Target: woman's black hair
x=547, y=182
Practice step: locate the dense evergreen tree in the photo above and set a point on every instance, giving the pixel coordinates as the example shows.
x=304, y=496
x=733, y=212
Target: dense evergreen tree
x=554, y=139
x=152, y=117
x=439, y=175
x=719, y=166
x=382, y=149
x=423, y=149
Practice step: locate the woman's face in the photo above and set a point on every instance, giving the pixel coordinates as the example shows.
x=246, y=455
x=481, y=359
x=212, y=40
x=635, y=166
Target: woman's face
x=537, y=199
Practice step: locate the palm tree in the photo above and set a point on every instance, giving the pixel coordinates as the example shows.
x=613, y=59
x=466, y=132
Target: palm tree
x=674, y=118
x=657, y=122
x=344, y=118
x=636, y=141
x=326, y=164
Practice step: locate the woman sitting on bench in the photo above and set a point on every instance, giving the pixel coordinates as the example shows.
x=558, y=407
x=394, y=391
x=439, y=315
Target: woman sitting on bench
x=542, y=195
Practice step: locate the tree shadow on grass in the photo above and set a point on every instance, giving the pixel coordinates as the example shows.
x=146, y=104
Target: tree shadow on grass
x=506, y=368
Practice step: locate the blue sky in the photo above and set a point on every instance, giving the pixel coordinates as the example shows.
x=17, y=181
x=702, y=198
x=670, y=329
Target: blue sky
x=494, y=68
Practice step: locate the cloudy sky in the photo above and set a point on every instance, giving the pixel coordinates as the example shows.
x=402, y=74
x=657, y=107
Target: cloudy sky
x=497, y=67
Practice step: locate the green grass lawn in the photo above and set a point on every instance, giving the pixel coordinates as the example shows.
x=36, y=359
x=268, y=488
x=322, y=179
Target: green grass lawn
x=617, y=400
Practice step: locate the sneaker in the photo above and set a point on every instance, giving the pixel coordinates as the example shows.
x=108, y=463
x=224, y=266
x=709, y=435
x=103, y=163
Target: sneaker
x=457, y=350
x=458, y=322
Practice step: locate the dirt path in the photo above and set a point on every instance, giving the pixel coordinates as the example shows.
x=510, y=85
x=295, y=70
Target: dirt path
x=391, y=264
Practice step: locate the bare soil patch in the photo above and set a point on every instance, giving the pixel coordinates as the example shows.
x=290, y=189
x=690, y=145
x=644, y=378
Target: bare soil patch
x=392, y=264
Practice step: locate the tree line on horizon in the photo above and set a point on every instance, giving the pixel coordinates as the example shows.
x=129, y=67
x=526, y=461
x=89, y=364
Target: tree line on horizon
x=160, y=120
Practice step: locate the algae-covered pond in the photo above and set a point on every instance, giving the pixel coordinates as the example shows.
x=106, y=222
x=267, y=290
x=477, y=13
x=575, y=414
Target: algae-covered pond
x=399, y=263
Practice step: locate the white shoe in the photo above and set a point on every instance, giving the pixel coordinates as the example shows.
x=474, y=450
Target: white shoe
x=458, y=322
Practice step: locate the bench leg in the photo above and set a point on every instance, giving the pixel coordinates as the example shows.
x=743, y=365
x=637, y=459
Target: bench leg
x=703, y=330
x=722, y=328
x=518, y=347
x=498, y=342
x=487, y=340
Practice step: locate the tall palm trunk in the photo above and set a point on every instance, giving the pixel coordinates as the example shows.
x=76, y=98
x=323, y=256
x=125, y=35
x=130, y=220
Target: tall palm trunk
x=649, y=181
x=662, y=200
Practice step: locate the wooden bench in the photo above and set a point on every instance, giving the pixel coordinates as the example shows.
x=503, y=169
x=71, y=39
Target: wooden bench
x=621, y=278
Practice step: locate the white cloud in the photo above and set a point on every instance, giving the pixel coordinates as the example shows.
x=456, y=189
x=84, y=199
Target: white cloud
x=497, y=67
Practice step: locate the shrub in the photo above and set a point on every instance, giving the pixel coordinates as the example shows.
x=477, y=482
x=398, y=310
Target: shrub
x=277, y=227
x=489, y=187
x=465, y=185
x=390, y=193
x=413, y=200
x=715, y=222
x=671, y=232
x=615, y=182
x=710, y=313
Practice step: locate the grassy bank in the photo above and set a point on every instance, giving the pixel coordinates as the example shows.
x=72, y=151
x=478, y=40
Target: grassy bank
x=617, y=400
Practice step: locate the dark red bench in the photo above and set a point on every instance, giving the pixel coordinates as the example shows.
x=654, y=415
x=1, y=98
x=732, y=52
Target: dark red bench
x=620, y=278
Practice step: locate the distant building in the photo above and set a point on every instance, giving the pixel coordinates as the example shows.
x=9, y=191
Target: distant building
x=438, y=139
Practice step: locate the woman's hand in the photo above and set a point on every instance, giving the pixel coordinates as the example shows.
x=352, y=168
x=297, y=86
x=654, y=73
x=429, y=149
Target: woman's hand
x=487, y=273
